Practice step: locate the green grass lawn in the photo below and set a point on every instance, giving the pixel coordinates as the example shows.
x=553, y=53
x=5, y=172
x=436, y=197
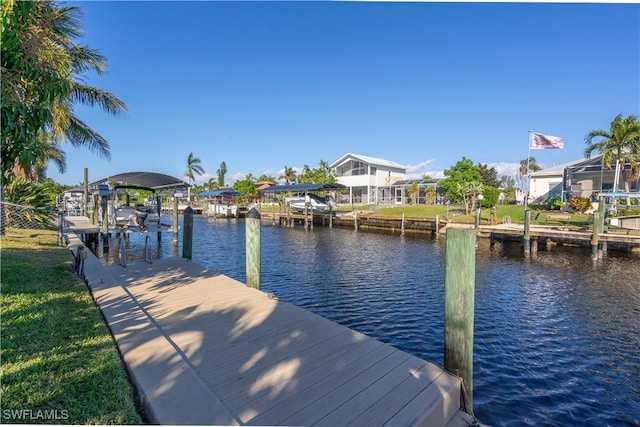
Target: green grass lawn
x=58, y=357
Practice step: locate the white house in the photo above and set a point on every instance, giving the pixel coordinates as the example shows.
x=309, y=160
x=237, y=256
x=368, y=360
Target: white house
x=369, y=179
x=547, y=183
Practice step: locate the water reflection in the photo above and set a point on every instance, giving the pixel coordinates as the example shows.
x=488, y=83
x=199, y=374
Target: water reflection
x=556, y=337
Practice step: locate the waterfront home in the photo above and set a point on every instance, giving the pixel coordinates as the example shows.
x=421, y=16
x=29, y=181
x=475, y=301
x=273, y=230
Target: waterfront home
x=369, y=180
x=582, y=178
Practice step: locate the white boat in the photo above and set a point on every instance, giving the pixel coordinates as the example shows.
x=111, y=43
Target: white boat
x=322, y=205
x=140, y=216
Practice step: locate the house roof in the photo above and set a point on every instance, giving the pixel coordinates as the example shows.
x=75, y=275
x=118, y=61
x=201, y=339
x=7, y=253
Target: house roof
x=303, y=187
x=226, y=192
x=368, y=159
x=555, y=170
x=152, y=180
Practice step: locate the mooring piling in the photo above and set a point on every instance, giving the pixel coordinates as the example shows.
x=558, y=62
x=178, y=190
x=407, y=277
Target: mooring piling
x=460, y=267
x=187, y=236
x=252, y=225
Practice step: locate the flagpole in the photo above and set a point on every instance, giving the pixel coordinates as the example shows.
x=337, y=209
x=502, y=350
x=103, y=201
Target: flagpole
x=526, y=193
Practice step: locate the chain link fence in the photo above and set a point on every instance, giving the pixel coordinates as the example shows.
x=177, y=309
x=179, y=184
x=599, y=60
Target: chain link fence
x=27, y=217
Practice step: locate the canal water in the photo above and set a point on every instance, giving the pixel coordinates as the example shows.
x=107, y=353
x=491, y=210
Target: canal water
x=557, y=336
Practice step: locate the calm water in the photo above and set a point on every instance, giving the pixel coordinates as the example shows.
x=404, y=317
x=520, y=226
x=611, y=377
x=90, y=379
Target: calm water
x=557, y=337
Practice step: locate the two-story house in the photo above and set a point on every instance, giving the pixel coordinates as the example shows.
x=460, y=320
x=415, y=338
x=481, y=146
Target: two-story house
x=369, y=180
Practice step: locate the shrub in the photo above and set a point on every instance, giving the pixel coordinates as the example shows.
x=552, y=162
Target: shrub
x=581, y=204
x=491, y=196
x=554, y=203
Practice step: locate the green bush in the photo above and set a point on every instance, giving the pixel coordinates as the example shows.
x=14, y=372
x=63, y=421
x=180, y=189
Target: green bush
x=581, y=204
x=554, y=203
x=491, y=196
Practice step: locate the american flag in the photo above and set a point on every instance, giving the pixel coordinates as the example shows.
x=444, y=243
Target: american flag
x=542, y=141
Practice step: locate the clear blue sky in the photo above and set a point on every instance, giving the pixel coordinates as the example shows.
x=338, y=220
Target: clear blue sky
x=261, y=85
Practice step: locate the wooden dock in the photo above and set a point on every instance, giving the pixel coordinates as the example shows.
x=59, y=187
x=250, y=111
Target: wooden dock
x=204, y=349
x=626, y=240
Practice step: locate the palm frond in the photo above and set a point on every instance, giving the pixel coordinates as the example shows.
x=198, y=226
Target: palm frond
x=79, y=134
x=92, y=96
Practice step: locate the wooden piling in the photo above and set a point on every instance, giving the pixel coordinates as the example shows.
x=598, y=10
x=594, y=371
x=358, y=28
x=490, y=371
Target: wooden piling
x=355, y=219
x=85, y=193
x=175, y=220
x=526, y=240
x=187, y=234
x=402, y=226
x=460, y=266
x=105, y=214
x=252, y=224
x=595, y=236
x=602, y=207
x=437, y=225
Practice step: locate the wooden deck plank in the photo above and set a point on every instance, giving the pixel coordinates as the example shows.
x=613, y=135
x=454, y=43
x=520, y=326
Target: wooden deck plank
x=434, y=406
x=317, y=408
x=320, y=364
x=396, y=398
x=368, y=397
x=273, y=413
x=289, y=347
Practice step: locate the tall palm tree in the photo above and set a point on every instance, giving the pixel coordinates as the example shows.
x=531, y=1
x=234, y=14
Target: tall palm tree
x=289, y=175
x=193, y=166
x=527, y=166
x=221, y=174
x=621, y=143
x=54, y=30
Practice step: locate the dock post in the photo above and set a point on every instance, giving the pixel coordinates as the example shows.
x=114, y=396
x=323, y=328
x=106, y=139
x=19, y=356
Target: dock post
x=122, y=251
x=437, y=225
x=459, y=300
x=85, y=192
x=594, y=236
x=105, y=215
x=175, y=220
x=60, y=228
x=477, y=223
x=527, y=236
x=273, y=214
x=534, y=245
x=330, y=218
x=187, y=235
x=355, y=220
x=602, y=207
x=253, y=248
x=402, y=225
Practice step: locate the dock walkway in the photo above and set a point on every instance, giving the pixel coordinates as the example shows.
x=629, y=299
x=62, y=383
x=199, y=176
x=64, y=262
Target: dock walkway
x=204, y=349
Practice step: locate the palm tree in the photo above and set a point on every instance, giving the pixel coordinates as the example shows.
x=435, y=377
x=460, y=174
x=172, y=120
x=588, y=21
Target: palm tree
x=526, y=167
x=289, y=175
x=61, y=26
x=221, y=174
x=212, y=184
x=413, y=191
x=193, y=166
x=621, y=143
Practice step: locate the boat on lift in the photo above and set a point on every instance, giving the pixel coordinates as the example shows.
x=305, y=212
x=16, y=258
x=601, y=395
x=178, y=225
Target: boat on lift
x=321, y=205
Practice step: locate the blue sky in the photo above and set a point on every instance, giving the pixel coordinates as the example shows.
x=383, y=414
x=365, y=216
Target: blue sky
x=261, y=85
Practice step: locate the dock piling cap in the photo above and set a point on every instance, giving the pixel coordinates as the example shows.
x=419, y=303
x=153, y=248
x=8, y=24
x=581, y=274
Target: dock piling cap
x=253, y=213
